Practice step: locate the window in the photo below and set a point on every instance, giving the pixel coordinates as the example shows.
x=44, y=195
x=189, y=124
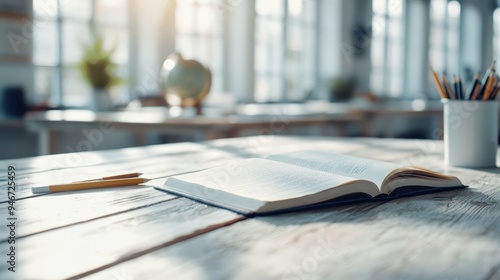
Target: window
x=496, y=34
x=199, y=36
x=285, y=47
x=387, y=48
x=61, y=29
x=445, y=36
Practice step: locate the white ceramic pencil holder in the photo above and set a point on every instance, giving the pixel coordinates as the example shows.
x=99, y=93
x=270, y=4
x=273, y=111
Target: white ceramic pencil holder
x=470, y=133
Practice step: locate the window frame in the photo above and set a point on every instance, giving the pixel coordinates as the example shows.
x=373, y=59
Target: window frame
x=195, y=35
x=383, y=74
x=444, y=48
x=496, y=33
x=56, y=92
x=281, y=75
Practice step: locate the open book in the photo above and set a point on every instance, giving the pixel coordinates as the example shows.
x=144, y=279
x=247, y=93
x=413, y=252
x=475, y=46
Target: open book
x=304, y=179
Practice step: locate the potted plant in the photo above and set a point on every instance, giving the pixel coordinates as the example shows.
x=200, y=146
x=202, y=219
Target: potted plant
x=98, y=70
x=341, y=89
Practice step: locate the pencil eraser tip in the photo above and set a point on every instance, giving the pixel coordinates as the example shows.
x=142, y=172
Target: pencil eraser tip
x=44, y=189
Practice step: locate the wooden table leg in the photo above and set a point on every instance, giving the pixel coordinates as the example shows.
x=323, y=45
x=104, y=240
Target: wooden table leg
x=47, y=142
x=342, y=129
x=140, y=138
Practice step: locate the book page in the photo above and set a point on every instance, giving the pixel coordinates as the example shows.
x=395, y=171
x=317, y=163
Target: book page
x=341, y=164
x=260, y=179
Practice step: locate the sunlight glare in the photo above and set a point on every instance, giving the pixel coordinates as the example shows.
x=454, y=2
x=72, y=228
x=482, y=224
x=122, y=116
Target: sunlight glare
x=168, y=64
x=496, y=40
x=454, y=9
x=418, y=105
x=379, y=6
x=206, y=18
x=295, y=7
x=269, y=7
x=395, y=7
x=438, y=9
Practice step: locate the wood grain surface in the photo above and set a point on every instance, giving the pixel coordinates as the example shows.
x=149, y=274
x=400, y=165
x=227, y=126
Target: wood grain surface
x=143, y=233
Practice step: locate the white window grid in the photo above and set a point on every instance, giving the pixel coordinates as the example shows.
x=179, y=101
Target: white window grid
x=387, y=49
x=285, y=50
x=59, y=23
x=496, y=34
x=200, y=34
x=444, y=42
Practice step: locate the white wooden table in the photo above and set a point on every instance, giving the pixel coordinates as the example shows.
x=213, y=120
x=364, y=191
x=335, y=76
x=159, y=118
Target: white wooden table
x=143, y=233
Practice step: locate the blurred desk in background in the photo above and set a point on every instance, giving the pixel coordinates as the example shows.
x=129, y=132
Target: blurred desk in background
x=371, y=119
x=380, y=119
x=16, y=141
x=267, y=120
x=389, y=113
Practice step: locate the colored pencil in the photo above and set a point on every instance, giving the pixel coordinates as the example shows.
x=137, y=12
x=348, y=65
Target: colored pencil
x=475, y=87
x=449, y=91
x=438, y=84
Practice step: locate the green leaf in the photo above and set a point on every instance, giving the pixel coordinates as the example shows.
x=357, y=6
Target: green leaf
x=96, y=65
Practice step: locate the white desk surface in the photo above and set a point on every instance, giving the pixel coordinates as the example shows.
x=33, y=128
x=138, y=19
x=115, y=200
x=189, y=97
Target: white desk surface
x=143, y=233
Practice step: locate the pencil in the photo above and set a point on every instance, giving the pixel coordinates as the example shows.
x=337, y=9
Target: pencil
x=494, y=87
x=88, y=185
x=121, y=176
x=448, y=88
x=461, y=88
x=438, y=84
x=485, y=81
x=495, y=90
x=489, y=85
x=455, y=87
x=488, y=71
x=446, y=91
x=475, y=87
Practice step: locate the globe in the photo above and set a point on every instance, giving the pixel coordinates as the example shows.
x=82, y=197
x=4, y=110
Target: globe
x=184, y=82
